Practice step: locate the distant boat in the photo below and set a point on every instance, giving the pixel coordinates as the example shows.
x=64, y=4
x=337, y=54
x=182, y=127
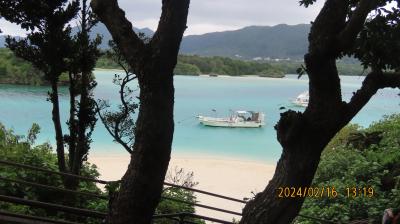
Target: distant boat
x=239, y=119
x=302, y=99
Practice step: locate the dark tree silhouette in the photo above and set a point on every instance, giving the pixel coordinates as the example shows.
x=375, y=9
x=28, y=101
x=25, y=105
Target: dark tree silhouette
x=82, y=120
x=50, y=47
x=363, y=29
x=47, y=46
x=153, y=64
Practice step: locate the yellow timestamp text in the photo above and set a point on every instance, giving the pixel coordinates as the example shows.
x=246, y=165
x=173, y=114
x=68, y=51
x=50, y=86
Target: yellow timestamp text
x=321, y=192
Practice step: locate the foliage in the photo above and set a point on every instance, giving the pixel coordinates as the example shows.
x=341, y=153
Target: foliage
x=186, y=69
x=20, y=149
x=48, y=43
x=226, y=66
x=343, y=166
x=178, y=176
x=377, y=46
x=50, y=47
x=82, y=120
x=17, y=71
x=341, y=138
x=14, y=70
x=197, y=65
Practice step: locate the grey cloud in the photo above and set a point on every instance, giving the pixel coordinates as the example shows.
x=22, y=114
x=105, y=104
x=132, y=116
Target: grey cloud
x=216, y=15
x=227, y=13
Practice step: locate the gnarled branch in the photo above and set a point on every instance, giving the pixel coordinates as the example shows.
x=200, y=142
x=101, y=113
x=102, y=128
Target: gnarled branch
x=121, y=29
x=171, y=26
x=373, y=82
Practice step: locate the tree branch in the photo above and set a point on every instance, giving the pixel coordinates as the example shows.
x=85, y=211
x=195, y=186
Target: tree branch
x=171, y=27
x=121, y=29
x=326, y=26
x=373, y=82
x=355, y=24
x=116, y=136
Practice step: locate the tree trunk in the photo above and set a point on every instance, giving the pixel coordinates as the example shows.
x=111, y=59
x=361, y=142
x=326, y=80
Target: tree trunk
x=303, y=137
x=153, y=63
x=72, y=120
x=267, y=207
x=303, y=143
x=142, y=183
x=85, y=123
x=57, y=126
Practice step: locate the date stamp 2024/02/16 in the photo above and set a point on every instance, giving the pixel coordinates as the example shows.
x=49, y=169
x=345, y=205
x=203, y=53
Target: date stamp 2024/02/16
x=320, y=192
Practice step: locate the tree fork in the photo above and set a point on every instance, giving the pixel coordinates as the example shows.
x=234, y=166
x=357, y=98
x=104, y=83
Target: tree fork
x=153, y=64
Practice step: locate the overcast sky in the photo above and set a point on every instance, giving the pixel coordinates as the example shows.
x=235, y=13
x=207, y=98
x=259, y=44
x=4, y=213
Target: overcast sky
x=213, y=15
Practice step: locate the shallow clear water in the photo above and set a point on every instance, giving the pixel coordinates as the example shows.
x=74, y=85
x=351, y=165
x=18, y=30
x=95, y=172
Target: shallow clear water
x=20, y=106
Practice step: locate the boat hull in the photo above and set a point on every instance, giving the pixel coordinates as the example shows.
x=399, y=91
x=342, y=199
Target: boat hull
x=229, y=124
x=300, y=104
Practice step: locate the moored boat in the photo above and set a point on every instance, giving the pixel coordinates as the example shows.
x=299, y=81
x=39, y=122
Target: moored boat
x=239, y=119
x=302, y=99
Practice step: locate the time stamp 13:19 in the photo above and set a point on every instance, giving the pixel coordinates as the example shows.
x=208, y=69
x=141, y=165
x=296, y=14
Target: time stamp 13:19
x=319, y=192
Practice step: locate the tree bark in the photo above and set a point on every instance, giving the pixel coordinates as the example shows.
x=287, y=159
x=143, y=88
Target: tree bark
x=57, y=126
x=84, y=121
x=72, y=121
x=153, y=63
x=142, y=184
x=303, y=136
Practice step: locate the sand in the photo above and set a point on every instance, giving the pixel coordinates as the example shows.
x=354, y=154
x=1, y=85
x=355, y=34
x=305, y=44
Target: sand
x=229, y=177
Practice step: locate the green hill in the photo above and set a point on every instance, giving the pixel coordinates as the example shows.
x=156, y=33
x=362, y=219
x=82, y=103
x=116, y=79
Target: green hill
x=280, y=41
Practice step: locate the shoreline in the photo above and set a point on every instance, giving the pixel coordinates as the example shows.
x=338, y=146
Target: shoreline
x=230, y=177
x=202, y=75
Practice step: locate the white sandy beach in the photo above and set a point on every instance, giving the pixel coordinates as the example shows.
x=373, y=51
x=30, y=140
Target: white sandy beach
x=228, y=177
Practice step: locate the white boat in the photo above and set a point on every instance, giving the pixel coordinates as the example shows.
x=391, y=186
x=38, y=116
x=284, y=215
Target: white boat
x=239, y=119
x=302, y=99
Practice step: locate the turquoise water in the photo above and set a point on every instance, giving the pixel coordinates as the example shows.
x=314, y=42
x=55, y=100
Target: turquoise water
x=20, y=106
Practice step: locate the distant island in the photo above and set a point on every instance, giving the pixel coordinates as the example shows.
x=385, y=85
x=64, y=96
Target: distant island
x=195, y=65
x=266, y=51
x=16, y=71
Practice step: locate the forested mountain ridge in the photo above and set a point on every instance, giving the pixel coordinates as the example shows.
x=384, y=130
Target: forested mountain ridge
x=101, y=29
x=280, y=41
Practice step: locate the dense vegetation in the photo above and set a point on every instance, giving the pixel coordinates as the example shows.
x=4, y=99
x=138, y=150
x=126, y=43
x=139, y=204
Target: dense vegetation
x=16, y=71
x=24, y=150
x=20, y=149
x=359, y=158
x=197, y=65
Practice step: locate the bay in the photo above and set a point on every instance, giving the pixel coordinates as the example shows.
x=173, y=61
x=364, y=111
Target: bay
x=20, y=106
